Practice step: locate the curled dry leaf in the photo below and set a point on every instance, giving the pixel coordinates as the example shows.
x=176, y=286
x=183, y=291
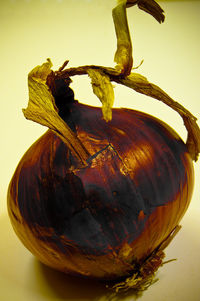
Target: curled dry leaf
x=140, y=84
x=103, y=89
x=123, y=56
x=42, y=109
x=149, y=6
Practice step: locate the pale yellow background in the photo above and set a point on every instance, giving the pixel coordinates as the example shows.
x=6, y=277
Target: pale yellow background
x=82, y=31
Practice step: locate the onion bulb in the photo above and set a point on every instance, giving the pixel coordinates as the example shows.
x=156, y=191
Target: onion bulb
x=100, y=220
x=101, y=197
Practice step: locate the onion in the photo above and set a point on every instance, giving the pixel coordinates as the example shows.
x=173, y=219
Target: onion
x=101, y=220
x=102, y=197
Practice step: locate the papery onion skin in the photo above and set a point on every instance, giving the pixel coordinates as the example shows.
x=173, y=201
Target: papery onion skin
x=101, y=220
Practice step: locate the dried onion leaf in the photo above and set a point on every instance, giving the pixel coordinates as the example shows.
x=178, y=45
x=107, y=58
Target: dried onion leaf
x=103, y=89
x=149, y=6
x=42, y=109
x=140, y=84
x=123, y=56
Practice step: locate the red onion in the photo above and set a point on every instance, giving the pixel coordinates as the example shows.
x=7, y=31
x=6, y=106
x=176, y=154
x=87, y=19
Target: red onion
x=102, y=199
x=101, y=220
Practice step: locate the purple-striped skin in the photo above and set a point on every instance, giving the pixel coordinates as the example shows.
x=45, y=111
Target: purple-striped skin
x=99, y=220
